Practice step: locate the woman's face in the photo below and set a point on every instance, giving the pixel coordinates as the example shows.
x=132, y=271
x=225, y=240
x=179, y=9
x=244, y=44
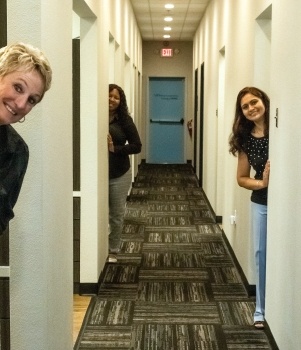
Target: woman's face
x=252, y=107
x=19, y=92
x=114, y=100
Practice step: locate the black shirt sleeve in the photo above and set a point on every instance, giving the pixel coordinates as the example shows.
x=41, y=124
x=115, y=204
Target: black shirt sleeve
x=14, y=157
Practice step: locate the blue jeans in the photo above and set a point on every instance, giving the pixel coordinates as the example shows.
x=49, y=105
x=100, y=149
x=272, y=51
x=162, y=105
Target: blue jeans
x=259, y=228
x=118, y=191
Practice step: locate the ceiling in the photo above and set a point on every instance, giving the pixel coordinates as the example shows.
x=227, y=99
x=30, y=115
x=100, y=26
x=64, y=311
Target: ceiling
x=186, y=14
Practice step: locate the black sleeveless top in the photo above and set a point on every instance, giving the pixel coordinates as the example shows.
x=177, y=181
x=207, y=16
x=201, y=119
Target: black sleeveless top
x=257, y=150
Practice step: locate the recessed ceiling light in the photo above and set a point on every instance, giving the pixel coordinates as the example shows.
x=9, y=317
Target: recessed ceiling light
x=168, y=19
x=169, y=6
x=166, y=36
x=167, y=28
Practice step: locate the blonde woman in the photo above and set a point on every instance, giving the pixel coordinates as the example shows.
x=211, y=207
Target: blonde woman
x=25, y=76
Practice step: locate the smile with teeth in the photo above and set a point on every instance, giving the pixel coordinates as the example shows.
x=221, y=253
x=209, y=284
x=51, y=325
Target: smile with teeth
x=10, y=110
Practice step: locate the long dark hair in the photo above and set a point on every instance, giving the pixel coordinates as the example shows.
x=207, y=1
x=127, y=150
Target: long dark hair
x=122, y=109
x=242, y=127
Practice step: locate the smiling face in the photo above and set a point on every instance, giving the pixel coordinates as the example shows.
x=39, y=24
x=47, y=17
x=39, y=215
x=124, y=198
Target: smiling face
x=19, y=92
x=252, y=108
x=114, y=100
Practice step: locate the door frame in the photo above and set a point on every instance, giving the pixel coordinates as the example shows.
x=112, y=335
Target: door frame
x=201, y=158
x=195, y=118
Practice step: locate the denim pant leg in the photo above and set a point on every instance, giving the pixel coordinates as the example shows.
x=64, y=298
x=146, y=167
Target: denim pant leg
x=118, y=191
x=259, y=228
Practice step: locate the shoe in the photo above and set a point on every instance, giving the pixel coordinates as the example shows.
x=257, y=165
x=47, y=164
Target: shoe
x=112, y=258
x=259, y=324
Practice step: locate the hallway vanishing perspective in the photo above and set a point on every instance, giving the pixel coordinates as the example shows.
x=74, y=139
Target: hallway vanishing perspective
x=176, y=285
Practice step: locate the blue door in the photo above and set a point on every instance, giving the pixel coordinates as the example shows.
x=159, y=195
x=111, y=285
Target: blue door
x=166, y=120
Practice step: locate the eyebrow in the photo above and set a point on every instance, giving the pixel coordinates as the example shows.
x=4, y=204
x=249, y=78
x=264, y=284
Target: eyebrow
x=253, y=99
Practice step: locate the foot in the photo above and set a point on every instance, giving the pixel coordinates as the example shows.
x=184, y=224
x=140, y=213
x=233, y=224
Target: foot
x=112, y=258
x=259, y=324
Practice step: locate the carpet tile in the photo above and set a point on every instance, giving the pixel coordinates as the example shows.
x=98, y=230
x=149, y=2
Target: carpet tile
x=106, y=338
x=173, y=313
x=174, y=274
x=237, y=312
x=244, y=338
x=179, y=336
x=175, y=286
x=173, y=292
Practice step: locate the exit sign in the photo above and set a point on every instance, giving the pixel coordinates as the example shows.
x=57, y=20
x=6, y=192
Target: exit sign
x=166, y=52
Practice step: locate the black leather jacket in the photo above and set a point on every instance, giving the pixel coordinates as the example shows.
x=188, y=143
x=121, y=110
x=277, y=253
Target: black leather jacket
x=13, y=164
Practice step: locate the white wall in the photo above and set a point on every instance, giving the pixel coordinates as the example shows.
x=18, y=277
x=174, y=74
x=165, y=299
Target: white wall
x=110, y=47
x=41, y=233
x=284, y=259
x=260, y=48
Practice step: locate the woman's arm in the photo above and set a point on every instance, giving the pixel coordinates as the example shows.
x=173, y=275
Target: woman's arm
x=133, y=144
x=243, y=174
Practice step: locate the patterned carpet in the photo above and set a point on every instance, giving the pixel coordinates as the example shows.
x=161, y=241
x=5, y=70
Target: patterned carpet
x=175, y=286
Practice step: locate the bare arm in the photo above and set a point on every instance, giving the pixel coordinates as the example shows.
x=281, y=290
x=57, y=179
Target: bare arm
x=243, y=174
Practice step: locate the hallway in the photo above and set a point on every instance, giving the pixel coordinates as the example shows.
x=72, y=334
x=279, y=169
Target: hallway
x=176, y=285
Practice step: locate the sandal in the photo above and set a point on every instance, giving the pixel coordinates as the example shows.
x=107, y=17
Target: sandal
x=259, y=324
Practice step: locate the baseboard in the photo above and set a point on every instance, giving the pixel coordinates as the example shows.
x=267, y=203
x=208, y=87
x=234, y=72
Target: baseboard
x=91, y=288
x=251, y=290
x=88, y=288
x=219, y=219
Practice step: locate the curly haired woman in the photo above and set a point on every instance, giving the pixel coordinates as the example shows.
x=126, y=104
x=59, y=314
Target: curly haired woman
x=250, y=140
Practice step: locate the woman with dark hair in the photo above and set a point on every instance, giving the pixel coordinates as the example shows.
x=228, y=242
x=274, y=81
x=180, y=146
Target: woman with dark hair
x=123, y=140
x=250, y=141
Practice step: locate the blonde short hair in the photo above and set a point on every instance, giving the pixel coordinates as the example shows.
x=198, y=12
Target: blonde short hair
x=26, y=57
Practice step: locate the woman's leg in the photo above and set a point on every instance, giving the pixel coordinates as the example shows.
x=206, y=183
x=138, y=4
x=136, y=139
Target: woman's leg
x=259, y=228
x=118, y=191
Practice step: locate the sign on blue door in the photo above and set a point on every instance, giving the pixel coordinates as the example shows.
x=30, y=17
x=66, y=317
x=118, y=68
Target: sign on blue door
x=166, y=120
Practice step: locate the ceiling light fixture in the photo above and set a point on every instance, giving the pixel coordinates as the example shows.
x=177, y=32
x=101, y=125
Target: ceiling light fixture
x=169, y=6
x=168, y=19
x=167, y=28
x=166, y=36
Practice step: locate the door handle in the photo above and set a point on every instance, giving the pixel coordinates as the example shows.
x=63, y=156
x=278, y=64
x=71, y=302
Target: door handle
x=162, y=121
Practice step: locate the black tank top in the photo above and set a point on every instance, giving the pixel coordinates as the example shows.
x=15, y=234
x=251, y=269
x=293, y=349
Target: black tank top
x=257, y=150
